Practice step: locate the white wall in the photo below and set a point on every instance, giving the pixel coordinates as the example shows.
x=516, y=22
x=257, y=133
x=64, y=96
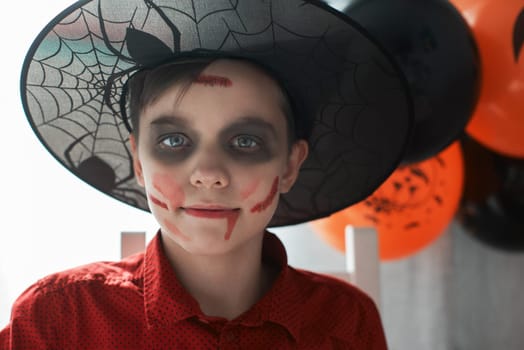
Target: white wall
x=49, y=219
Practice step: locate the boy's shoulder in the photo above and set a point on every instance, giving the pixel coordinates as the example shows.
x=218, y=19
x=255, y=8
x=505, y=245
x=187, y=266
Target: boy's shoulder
x=124, y=273
x=330, y=286
x=92, y=296
x=341, y=307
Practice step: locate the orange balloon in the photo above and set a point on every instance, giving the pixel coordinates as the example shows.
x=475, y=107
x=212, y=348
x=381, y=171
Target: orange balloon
x=409, y=210
x=498, y=29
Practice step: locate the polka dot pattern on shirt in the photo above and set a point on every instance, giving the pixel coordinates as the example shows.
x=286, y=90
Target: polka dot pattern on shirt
x=138, y=303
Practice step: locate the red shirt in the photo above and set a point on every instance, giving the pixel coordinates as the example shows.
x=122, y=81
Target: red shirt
x=138, y=303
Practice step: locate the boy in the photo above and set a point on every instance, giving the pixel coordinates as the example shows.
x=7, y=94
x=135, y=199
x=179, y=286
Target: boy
x=218, y=139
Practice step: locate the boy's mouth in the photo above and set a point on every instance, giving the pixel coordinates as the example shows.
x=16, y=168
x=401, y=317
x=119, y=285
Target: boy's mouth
x=210, y=211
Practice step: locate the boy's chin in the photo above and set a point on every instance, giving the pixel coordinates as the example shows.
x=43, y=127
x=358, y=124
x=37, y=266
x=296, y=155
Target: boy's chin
x=216, y=248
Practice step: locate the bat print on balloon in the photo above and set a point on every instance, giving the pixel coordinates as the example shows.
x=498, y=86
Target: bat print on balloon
x=172, y=197
x=409, y=210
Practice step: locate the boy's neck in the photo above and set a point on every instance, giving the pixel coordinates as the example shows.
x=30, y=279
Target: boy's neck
x=224, y=285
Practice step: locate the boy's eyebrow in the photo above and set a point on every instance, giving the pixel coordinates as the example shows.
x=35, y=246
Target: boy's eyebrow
x=171, y=120
x=247, y=121
x=252, y=121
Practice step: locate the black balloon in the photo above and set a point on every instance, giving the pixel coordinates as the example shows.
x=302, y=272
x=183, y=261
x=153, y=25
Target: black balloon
x=492, y=207
x=433, y=46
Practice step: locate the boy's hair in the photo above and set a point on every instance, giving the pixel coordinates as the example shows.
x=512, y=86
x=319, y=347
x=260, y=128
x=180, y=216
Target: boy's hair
x=146, y=86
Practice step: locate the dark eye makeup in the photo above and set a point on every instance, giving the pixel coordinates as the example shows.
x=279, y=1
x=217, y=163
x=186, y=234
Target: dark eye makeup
x=175, y=141
x=246, y=141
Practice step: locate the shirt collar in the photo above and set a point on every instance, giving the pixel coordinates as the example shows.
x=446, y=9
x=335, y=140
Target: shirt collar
x=167, y=301
x=284, y=302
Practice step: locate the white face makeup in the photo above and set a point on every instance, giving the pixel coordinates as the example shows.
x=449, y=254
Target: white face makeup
x=214, y=161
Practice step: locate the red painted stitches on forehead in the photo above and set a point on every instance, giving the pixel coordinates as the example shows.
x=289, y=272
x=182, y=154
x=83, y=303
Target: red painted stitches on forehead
x=213, y=80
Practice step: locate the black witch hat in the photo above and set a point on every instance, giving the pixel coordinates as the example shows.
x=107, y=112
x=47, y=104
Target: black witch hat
x=346, y=87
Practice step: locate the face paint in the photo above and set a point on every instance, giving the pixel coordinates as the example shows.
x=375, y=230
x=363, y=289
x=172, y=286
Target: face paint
x=230, y=215
x=250, y=189
x=174, y=230
x=250, y=140
x=157, y=202
x=263, y=205
x=232, y=218
x=169, y=189
x=213, y=80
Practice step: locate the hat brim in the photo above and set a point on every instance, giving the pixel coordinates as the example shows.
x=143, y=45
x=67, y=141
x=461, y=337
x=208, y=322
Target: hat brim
x=340, y=79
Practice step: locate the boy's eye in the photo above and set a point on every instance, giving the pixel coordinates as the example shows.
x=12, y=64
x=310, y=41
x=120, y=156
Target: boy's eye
x=175, y=141
x=246, y=142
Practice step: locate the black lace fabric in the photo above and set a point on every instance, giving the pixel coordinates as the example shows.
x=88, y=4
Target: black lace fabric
x=342, y=83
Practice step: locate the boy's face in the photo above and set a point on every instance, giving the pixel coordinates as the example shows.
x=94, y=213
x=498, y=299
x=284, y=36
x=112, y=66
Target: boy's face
x=214, y=160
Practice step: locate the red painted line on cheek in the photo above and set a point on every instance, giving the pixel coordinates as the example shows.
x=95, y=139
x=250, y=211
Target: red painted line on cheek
x=169, y=189
x=213, y=80
x=175, y=231
x=250, y=189
x=231, y=223
x=157, y=202
x=263, y=205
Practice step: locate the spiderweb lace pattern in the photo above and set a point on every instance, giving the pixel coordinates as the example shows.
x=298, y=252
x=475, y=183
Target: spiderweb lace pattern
x=341, y=82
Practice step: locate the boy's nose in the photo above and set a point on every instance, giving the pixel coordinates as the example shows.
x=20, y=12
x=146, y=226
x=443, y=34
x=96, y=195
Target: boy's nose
x=209, y=174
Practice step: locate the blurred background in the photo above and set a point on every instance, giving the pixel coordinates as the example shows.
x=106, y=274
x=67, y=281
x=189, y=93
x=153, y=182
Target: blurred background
x=450, y=219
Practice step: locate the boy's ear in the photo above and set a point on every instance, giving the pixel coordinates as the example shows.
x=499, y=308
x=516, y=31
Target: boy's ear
x=297, y=156
x=137, y=166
